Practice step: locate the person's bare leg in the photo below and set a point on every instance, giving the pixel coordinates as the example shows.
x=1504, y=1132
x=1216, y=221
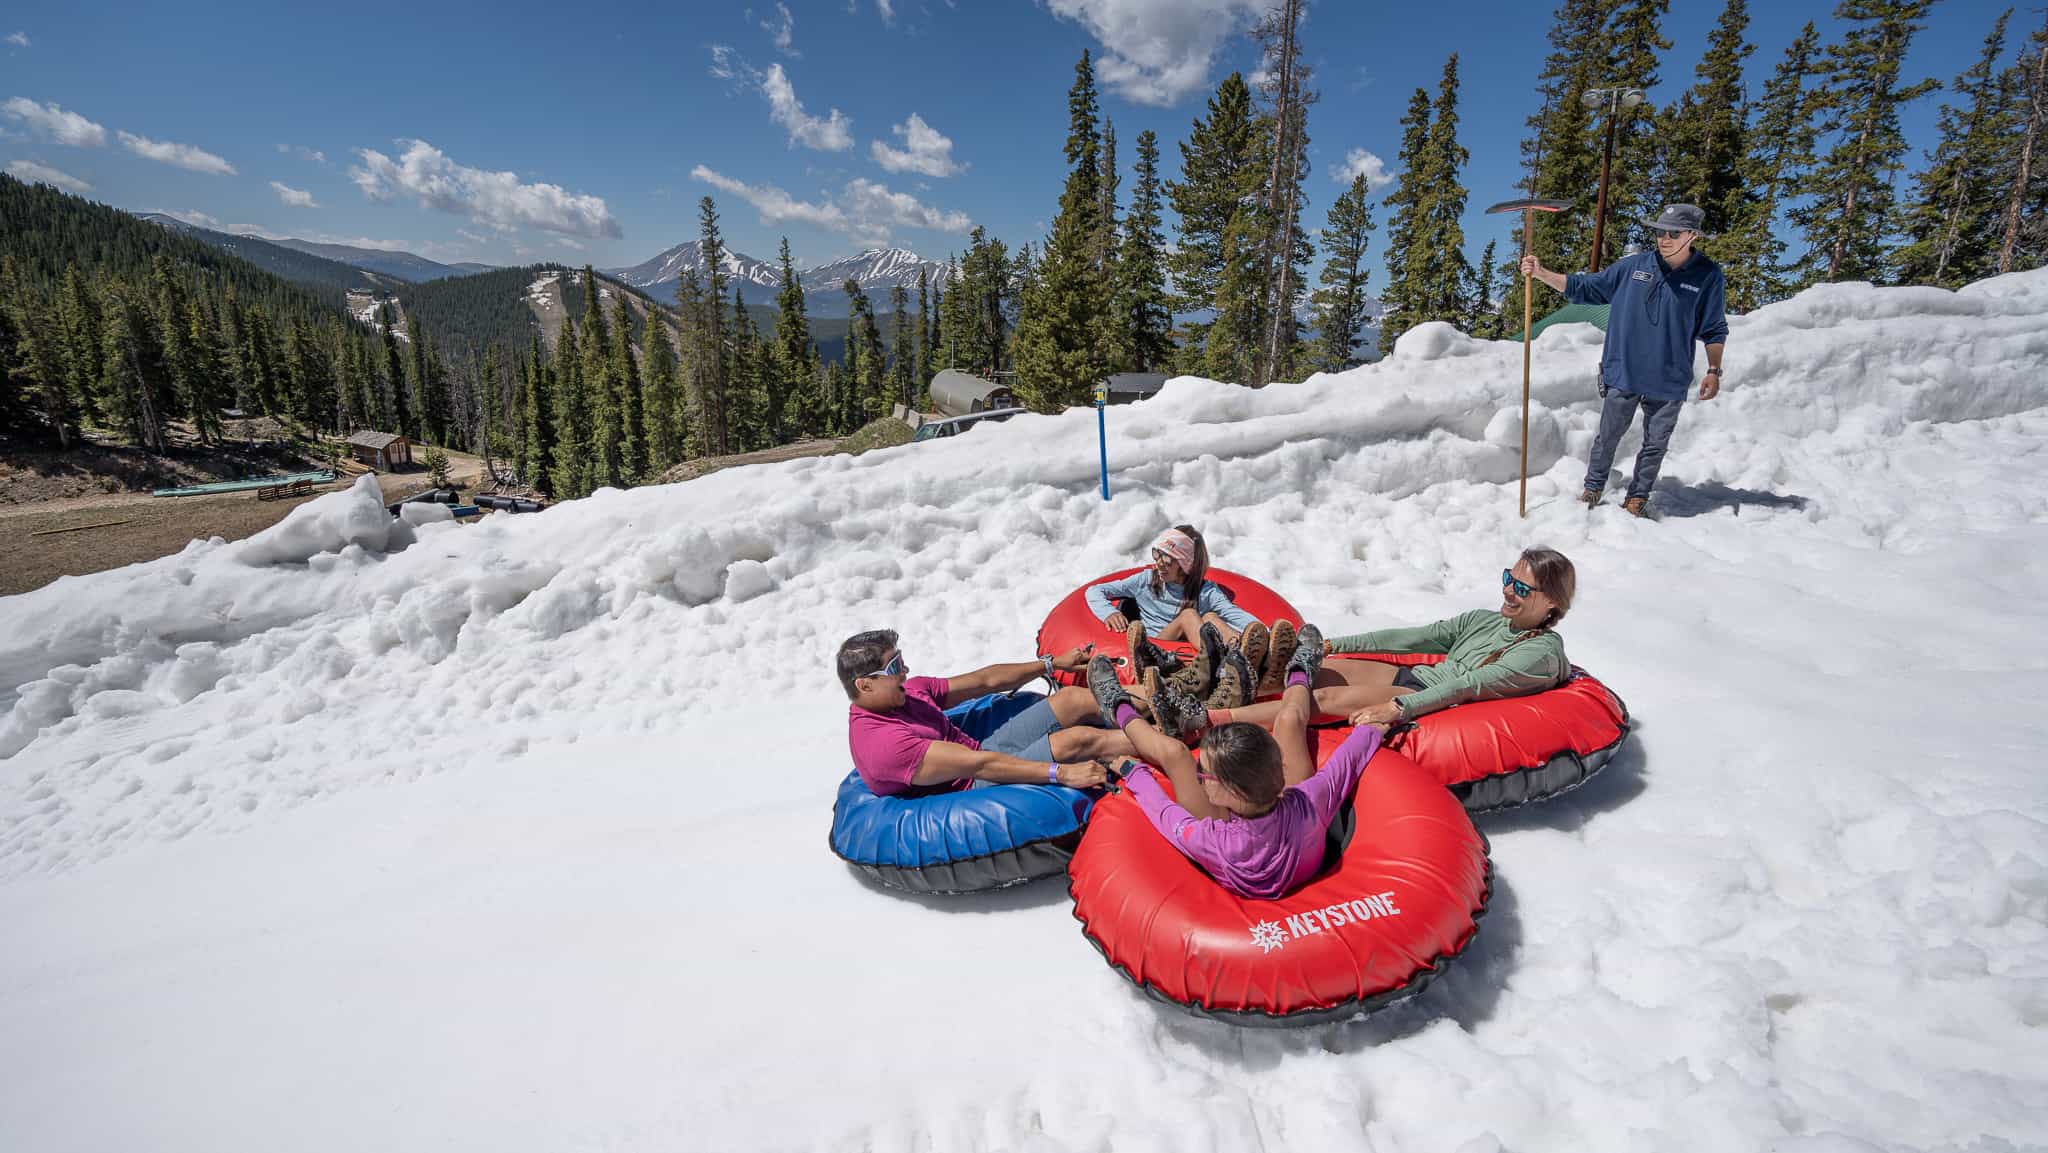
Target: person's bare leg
x=1342, y=688
x=1080, y=735
x=1290, y=731
x=1222, y=626
x=1186, y=625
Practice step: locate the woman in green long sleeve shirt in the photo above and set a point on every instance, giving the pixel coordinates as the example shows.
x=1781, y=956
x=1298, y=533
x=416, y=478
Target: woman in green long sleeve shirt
x=1488, y=653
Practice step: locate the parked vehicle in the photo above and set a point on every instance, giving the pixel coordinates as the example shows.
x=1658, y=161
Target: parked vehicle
x=955, y=425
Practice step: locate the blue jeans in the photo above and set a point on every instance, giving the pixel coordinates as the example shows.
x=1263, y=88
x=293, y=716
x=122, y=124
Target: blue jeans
x=1617, y=412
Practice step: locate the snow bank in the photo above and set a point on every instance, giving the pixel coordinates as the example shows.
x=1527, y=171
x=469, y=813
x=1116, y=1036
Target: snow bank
x=462, y=804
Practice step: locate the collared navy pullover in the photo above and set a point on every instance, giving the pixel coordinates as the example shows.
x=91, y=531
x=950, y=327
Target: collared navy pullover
x=1654, y=315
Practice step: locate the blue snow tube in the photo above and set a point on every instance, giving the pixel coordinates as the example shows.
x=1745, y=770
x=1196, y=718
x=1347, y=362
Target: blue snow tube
x=966, y=841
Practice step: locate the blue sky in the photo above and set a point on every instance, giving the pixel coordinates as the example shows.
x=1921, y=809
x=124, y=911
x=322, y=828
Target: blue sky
x=515, y=132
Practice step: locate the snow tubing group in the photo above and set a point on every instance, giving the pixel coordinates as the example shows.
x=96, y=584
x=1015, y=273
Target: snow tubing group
x=1406, y=878
x=1072, y=623
x=1401, y=893
x=965, y=841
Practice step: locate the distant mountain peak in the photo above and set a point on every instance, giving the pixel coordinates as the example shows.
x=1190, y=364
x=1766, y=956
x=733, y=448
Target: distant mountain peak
x=876, y=270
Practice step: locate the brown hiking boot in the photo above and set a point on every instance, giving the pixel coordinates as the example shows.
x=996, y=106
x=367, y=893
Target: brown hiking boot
x=1233, y=683
x=1134, y=643
x=1253, y=643
x=1273, y=677
x=1590, y=497
x=1145, y=692
x=1177, y=714
x=1637, y=506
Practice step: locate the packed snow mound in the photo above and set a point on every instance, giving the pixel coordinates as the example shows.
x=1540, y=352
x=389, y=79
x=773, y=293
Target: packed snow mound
x=585, y=759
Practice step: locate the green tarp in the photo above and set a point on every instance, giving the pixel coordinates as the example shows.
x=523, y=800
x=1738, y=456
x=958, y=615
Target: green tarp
x=1593, y=314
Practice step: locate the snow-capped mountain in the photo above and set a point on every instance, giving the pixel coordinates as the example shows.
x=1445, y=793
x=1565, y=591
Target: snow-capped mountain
x=667, y=268
x=876, y=271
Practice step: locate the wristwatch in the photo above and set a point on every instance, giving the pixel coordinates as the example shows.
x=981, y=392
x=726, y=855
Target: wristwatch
x=1046, y=660
x=1715, y=371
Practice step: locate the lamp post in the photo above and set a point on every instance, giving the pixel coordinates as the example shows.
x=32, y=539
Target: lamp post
x=1616, y=99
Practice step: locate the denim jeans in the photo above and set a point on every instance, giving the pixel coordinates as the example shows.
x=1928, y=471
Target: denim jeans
x=1617, y=412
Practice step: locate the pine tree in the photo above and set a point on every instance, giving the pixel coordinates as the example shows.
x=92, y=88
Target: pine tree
x=1284, y=248
x=793, y=405
x=1634, y=41
x=397, y=408
x=604, y=439
x=866, y=363
x=749, y=389
x=1561, y=152
x=692, y=373
x=1142, y=310
x=663, y=410
x=134, y=385
x=2024, y=242
x=1848, y=220
x=1779, y=150
x=628, y=400
x=1439, y=274
x=1060, y=347
x=37, y=363
x=1486, y=297
x=1340, y=303
x=536, y=467
x=902, y=351
x=78, y=335
x=921, y=349
x=1403, y=300
x=1702, y=141
x=1219, y=173
x=1953, y=219
x=711, y=250
x=571, y=457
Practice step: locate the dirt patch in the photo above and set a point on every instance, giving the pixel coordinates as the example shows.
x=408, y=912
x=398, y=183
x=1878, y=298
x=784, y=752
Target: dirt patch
x=705, y=465
x=102, y=468
x=150, y=527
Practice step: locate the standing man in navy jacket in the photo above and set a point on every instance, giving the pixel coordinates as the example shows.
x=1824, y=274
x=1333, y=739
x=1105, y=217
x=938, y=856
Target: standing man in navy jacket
x=1660, y=303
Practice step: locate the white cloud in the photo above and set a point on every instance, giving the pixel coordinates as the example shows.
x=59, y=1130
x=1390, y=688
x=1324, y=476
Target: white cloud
x=1158, y=51
x=1358, y=162
x=292, y=197
x=834, y=133
x=18, y=39
x=774, y=205
x=877, y=207
x=198, y=219
x=888, y=10
x=30, y=172
x=181, y=155
x=52, y=121
x=783, y=29
x=499, y=199
x=926, y=150
x=864, y=210
x=312, y=154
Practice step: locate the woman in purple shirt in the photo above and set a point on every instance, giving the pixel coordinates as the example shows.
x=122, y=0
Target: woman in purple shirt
x=1257, y=813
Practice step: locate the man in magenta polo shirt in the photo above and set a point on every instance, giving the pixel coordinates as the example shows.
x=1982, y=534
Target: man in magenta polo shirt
x=903, y=742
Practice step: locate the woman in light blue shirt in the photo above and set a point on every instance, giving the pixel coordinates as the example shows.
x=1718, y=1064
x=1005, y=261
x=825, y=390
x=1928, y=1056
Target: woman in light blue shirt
x=1175, y=598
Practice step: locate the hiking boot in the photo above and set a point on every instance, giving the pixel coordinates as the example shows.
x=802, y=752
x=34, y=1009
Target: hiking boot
x=1150, y=682
x=1308, y=654
x=1177, y=714
x=1590, y=497
x=1273, y=677
x=1197, y=678
x=1253, y=643
x=1637, y=506
x=1233, y=683
x=1134, y=641
x=1109, y=692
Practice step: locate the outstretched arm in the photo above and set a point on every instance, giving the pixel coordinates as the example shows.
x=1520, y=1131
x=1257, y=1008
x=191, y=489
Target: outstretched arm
x=944, y=761
x=1002, y=678
x=1176, y=762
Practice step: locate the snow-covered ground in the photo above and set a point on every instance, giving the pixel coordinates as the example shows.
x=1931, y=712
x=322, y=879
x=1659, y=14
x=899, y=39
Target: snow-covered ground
x=361, y=836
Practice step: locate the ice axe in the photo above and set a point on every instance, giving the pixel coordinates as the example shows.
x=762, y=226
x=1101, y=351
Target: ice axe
x=1528, y=208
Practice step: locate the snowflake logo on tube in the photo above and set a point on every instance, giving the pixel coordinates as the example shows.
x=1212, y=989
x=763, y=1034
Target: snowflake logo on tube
x=1268, y=936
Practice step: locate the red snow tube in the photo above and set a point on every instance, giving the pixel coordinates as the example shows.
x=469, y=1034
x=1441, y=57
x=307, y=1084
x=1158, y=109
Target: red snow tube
x=1402, y=892
x=1071, y=623
x=1501, y=753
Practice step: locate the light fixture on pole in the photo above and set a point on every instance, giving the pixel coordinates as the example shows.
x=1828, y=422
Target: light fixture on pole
x=1616, y=100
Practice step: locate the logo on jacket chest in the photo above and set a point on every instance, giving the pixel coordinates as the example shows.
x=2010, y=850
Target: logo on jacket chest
x=1640, y=274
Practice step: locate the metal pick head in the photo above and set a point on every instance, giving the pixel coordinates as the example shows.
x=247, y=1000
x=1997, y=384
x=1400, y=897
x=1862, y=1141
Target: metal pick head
x=1530, y=205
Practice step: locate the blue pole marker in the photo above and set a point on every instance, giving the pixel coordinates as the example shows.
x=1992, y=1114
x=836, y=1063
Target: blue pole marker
x=1102, y=433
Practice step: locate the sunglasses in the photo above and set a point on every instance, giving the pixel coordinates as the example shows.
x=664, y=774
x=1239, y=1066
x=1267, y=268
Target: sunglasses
x=895, y=668
x=1522, y=588
x=1666, y=233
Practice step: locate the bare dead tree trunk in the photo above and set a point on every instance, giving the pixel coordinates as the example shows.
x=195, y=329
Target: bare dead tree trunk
x=1280, y=191
x=2019, y=185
